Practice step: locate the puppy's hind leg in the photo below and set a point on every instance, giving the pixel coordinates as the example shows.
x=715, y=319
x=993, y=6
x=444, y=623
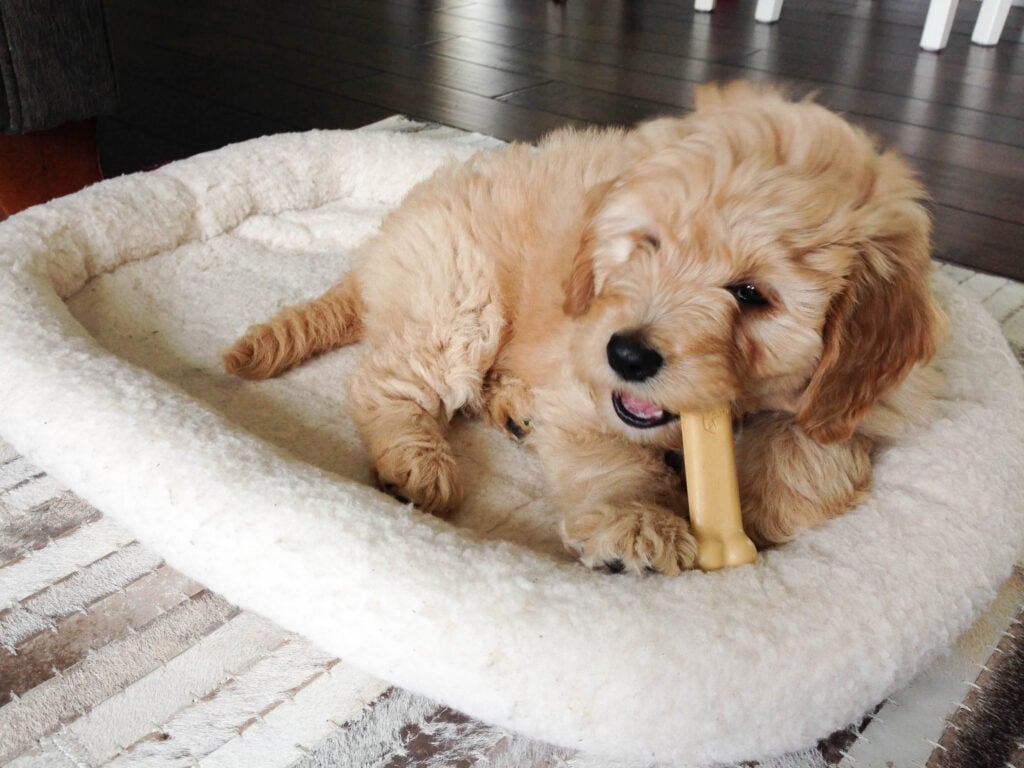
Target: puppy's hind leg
x=296, y=334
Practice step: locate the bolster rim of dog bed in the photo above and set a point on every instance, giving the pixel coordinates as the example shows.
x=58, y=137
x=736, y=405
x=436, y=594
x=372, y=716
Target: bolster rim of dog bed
x=739, y=664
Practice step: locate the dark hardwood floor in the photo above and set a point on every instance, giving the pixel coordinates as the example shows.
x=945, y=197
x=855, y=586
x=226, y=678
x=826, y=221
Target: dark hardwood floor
x=197, y=74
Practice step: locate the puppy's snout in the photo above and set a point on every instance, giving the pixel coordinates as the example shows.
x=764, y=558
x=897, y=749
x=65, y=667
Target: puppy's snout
x=631, y=358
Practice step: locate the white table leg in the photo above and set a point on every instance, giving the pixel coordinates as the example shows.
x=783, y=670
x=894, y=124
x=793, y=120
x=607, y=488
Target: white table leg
x=768, y=11
x=991, y=19
x=938, y=24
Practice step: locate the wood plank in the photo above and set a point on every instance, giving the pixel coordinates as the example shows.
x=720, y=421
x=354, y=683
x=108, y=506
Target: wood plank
x=927, y=114
x=923, y=73
x=282, y=105
x=676, y=95
x=590, y=105
x=993, y=196
x=508, y=66
x=273, y=62
x=312, y=17
x=418, y=14
x=908, y=76
x=971, y=123
x=127, y=148
x=692, y=68
x=979, y=242
x=281, y=54
x=456, y=108
x=620, y=25
x=952, y=149
x=187, y=119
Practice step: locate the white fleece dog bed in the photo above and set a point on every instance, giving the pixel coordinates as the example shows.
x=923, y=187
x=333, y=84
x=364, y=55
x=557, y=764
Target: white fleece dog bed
x=114, y=307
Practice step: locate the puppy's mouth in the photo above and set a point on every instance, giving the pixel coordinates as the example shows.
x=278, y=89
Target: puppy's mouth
x=639, y=413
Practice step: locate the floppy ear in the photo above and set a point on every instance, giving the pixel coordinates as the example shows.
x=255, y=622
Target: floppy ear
x=882, y=324
x=617, y=224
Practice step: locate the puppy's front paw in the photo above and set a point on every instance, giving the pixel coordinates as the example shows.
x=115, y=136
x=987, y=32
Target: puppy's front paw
x=633, y=538
x=508, y=404
x=426, y=475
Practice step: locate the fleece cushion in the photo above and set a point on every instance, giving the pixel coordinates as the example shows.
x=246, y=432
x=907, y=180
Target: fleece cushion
x=114, y=306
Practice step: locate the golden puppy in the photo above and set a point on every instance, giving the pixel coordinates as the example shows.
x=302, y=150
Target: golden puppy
x=759, y=252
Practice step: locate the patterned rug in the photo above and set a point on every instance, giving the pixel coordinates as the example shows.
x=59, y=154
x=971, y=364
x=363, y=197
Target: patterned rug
x=110, y=657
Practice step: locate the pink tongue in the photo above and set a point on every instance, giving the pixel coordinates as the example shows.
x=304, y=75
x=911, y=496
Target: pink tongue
x=640, y=407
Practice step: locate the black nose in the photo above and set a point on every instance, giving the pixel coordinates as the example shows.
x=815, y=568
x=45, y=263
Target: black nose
x=631, y=358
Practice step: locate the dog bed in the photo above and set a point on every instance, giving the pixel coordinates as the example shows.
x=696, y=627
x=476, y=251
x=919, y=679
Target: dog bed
x=115, y=304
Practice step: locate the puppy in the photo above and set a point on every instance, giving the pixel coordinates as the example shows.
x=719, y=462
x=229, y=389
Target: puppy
x=759, y=252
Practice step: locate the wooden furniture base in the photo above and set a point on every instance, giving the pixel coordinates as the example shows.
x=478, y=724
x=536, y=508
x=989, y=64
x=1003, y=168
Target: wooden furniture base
x=36, y=167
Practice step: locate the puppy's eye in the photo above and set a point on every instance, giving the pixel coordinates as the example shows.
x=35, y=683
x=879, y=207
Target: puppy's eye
x=748, y=295
x=650, y=241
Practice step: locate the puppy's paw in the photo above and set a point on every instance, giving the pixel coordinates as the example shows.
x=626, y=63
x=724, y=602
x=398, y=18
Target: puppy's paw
x=633, y=538
x=261, y=353
x=508, y=404
x=426, y=475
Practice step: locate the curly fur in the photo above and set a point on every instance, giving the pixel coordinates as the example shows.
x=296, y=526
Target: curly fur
x=497, y=285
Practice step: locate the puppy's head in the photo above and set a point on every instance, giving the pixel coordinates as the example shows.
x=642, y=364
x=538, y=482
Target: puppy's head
x=767, y=256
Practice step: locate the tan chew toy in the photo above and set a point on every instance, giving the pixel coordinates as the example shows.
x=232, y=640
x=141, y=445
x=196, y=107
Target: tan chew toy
x=710, y=463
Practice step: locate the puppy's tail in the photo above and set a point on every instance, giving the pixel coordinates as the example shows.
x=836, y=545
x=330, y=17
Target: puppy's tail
x=296, y=334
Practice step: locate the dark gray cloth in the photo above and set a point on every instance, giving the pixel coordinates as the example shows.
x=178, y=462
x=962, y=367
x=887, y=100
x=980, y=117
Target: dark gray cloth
x=55, y=63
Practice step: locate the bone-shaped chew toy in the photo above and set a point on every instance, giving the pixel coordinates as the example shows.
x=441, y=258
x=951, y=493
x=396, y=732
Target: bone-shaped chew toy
x=713, y=490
